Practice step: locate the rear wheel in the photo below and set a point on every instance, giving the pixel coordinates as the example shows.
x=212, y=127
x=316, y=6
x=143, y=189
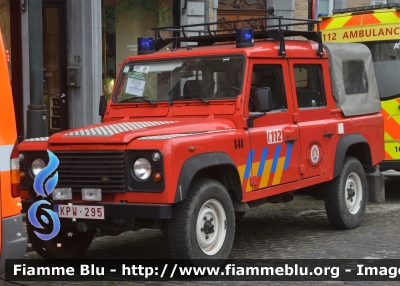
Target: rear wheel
x=203, y=225
x=67, y=244
x=345, y=196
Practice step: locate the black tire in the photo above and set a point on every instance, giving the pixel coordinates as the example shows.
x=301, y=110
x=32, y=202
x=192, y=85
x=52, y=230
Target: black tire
x=346, y=196
x=205, y=199
x=71, y=246
x=239, y=216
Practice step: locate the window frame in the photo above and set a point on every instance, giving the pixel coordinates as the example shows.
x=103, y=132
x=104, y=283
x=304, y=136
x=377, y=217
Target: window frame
x=320, y=89
x=281, y=78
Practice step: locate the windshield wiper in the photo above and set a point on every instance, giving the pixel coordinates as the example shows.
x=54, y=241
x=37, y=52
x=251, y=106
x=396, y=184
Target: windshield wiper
x=138, y=97
x=191, y=97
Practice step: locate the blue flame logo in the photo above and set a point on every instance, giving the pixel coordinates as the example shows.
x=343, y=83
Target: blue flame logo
x=38, y=184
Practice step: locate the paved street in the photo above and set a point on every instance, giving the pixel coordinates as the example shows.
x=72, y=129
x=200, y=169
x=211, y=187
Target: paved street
x=299, y=229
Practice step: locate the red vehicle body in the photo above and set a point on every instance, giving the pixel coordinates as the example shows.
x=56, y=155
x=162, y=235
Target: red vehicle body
x=218, y=155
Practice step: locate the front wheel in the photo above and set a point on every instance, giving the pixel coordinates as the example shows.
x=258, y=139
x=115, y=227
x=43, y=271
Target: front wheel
x=346, y=196
x=203, y=225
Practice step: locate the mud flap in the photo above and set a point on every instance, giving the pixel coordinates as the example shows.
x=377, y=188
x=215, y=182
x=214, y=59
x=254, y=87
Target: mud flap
x=376, y=186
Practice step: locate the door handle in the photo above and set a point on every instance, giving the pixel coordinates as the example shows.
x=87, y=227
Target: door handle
x=292, y=140
x=330, y=134
x=63, y=95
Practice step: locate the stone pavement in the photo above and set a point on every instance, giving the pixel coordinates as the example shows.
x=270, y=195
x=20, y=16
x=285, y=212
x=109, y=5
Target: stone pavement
x=296, y=230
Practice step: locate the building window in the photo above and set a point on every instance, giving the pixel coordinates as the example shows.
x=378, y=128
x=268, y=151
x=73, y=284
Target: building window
x=123, y=21
x=325, y=6
x=378, y=2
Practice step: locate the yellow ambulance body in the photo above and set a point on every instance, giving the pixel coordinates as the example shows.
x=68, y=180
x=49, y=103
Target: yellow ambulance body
x=378, y=27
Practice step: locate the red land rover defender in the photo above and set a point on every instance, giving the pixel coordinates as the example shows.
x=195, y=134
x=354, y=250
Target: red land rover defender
x=194, y=136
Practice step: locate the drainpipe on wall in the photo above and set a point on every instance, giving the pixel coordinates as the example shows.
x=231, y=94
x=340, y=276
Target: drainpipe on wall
x=215, y=7
x=36, y=113
x=310, y=15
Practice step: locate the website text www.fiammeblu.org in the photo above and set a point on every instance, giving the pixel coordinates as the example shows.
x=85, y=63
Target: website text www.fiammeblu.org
x=231, y=270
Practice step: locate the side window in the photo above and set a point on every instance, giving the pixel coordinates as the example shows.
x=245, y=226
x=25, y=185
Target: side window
x=354, y=77
x=310, y=88
x=268, y=76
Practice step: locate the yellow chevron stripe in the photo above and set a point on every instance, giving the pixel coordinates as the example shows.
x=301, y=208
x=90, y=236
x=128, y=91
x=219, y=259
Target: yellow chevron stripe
x=387, y=18
x=266, y=173
x=241, y=172
x=392, y=108
x=254, y=169
x=390, y=148
x=278, y=172
x=338, y=22
x=387, y=137
x=249, y=187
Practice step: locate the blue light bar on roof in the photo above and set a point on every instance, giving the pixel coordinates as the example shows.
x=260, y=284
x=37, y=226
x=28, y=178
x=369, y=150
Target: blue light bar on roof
x=244, y=38
x=145, y=45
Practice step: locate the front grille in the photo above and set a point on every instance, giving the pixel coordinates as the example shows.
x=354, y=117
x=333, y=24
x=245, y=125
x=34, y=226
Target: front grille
x=104, y=170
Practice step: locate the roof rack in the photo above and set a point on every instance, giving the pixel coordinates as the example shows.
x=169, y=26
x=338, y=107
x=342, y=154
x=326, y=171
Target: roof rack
x=225, y=31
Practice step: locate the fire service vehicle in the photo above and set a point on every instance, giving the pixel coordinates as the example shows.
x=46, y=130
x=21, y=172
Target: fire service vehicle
x=193, y=137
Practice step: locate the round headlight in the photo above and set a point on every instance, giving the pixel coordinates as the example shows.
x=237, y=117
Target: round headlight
x=37, y=166
x=142, y=168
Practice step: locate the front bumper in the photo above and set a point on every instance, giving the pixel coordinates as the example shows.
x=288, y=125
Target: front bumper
x=13, y=244
x=123, y=210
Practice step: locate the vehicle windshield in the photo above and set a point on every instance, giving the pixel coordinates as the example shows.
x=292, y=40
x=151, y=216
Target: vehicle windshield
x=386, y=58
x=177, y=79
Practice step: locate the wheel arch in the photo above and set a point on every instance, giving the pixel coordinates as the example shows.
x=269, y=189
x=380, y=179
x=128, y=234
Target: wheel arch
x=354, y=145
x=214, y=165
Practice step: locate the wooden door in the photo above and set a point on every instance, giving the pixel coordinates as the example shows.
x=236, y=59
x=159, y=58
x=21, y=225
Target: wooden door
x=229, y=10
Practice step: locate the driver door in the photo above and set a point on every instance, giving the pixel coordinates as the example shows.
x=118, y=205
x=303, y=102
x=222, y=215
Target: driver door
x=274, y=137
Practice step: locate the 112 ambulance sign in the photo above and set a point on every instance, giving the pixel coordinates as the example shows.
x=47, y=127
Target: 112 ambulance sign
x=49, y=186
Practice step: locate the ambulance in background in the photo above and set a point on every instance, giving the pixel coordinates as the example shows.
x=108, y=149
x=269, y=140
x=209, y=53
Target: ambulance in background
x=12, y=243
x=378, y=27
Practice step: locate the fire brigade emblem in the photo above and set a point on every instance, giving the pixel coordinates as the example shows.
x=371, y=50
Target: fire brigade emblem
x=315, y=154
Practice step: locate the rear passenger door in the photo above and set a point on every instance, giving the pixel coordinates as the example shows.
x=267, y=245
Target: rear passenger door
x=311, y=114
x=274, y=153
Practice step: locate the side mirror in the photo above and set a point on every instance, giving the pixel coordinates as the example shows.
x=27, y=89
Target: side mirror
x=264, y=99
x=102, y=105
x=264, y=104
